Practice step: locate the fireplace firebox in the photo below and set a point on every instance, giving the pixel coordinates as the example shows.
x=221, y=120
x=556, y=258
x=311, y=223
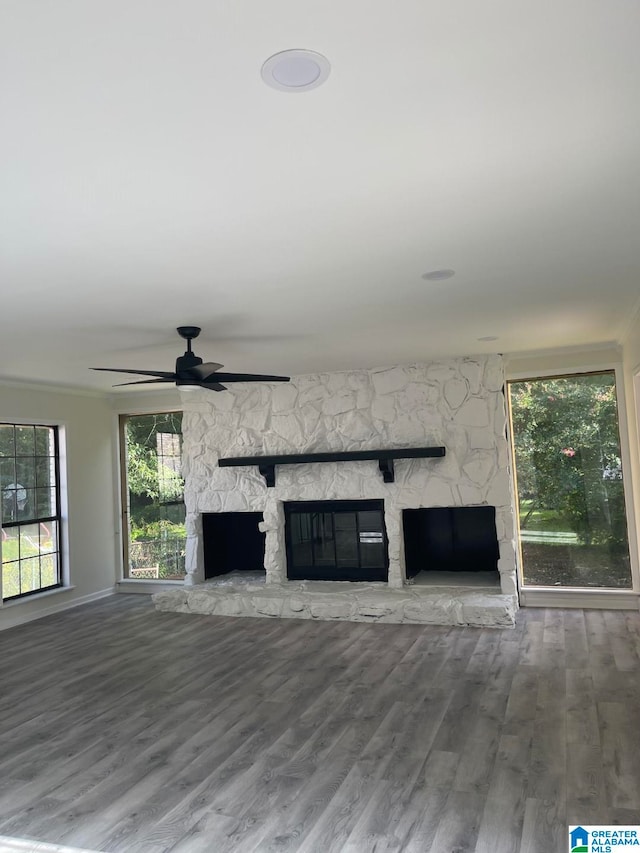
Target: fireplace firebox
x=232, y=542
x=336, y=540
x=450, y=539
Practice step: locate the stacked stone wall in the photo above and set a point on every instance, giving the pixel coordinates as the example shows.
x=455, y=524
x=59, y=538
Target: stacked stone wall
x=457, y=403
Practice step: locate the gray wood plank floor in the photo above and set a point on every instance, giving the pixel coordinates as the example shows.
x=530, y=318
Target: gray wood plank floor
x=124, y=729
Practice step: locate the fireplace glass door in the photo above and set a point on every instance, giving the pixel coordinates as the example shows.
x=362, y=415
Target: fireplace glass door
x=336, y=540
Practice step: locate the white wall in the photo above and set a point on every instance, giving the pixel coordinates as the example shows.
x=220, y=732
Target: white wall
x=554, y=362
x=91, y=500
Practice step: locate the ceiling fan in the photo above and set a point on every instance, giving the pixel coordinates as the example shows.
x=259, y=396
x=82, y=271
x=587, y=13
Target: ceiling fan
x=192, y=372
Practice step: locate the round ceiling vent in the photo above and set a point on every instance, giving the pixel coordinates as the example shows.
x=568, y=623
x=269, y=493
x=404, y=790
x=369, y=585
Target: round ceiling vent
x=296, y=70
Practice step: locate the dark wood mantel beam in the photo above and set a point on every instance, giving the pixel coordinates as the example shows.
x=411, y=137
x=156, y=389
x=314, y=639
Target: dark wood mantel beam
x=385, y=458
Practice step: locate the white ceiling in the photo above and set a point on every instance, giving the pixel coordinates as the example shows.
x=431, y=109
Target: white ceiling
x=151, y=179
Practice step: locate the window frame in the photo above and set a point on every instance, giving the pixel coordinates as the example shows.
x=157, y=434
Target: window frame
x=123, y=491
x=59, y=518
x=580, y=596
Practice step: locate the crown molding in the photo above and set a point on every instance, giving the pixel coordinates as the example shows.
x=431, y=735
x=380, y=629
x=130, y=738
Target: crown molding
x=51, y=388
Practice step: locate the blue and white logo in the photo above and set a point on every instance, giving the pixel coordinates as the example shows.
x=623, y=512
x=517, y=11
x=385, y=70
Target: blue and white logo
x=579, y=840
x=604, y=839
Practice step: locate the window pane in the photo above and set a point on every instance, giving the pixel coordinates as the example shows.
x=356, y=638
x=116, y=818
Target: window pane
x=48, y=537
x=44, y=441
x=7, y=440
x=26, y=471
x=27, y=510
x=29, y=574
x=10, y=576
x=48, y=570
x=45, y=471
x=175, y=513
x=45, y=503
x=29, y=540
x=7, y=471
x=155, y=490
x=13, y=501
x=10, y=543
x=25, y=441
x=169, y=450
x=569, y=473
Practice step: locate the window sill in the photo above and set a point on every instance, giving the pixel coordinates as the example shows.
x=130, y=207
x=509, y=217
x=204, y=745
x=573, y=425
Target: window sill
x=585, y=598
x=36, y=596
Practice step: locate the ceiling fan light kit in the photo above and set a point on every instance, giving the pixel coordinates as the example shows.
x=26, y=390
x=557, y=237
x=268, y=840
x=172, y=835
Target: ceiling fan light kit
x=191, y=372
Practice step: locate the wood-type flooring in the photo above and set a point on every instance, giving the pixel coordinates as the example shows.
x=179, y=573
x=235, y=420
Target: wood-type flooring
x=131, y=731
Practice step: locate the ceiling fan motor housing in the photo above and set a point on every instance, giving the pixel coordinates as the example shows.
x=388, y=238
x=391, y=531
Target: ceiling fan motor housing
x=183, y=363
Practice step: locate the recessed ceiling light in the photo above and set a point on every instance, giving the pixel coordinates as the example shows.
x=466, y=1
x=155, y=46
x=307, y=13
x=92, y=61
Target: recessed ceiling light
x=438, y=275
x=488, y=338
x=296, y=70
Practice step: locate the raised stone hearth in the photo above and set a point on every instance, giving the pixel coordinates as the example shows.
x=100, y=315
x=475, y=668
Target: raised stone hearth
x=457, y=404
x=354, y=602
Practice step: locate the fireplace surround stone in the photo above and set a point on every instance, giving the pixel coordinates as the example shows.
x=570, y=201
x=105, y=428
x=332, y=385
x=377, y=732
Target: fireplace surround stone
x=455, y=403
x=353, y=602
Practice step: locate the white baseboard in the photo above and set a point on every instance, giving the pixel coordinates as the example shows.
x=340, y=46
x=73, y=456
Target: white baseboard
x=21, y=617
x=584, y=599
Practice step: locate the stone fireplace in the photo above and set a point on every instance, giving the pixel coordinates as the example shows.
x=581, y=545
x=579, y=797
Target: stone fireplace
x=456, y=404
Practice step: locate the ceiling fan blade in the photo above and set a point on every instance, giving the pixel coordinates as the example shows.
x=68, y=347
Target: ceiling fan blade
x=213, y=386
x=250, y=377
x=142, y=382
x=161, y=373
x=202, y=371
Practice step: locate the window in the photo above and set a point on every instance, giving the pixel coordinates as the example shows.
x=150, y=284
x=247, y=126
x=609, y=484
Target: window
x=31, y=522
x=153, y=496
x=573, y=529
